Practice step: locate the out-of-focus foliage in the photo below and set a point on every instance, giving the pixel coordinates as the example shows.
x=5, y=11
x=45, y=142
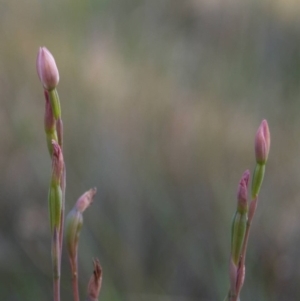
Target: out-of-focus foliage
x=161, y=100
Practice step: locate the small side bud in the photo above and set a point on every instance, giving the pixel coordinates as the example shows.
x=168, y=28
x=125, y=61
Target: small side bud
x=47, y=69
x=85, y=200
x=94, y=285
x=262, y=143
x=74, y=223
x=242, y=193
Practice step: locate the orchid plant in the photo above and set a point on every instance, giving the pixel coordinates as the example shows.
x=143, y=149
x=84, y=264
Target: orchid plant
x=49, y=77
x=245, y=211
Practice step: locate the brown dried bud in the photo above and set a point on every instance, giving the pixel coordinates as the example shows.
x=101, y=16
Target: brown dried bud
x=94, y=285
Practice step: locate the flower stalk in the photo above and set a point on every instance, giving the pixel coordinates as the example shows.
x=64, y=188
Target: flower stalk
x=53, y=124
x=55, y=204
x=49, y=77
x=74, y=223
x=244, y=215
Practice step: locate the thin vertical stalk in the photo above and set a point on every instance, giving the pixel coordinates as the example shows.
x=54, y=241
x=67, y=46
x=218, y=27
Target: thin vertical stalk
x=59, y=128
x=74, y=268
x=252, y=210
x=56, y=266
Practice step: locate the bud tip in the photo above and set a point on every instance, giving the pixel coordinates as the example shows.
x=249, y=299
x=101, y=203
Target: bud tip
x=47, y=69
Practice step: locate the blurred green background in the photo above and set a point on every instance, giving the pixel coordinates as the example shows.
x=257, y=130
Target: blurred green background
x=161, y=101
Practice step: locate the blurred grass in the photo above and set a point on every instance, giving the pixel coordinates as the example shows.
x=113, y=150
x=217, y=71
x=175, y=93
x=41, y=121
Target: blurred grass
x=161, y=101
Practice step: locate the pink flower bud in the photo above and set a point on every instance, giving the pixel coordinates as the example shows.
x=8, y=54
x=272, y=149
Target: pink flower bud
x=242, y=194
x=262, y=143
x=46, y=69
x=85, y=200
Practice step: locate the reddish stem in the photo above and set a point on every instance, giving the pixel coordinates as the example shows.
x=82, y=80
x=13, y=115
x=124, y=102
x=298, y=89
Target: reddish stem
x=74, y=270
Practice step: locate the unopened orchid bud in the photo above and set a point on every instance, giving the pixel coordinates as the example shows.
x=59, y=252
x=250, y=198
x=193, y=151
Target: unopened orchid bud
x=94, y=285
x=262, y=143
x=47, y=69
x=85, y=200
x=240, y=219
x=242, y=194
x=74, y=223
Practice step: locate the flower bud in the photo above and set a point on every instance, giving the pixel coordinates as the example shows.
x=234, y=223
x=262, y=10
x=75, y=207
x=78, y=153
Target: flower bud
x=262, y=143
x=47, y=69
x=74, y=223
x=85, y=200
x=94, y=285
x=242, y=194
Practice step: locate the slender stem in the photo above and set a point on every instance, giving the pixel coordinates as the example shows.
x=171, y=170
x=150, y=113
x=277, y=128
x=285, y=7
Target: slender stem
x=74, y=268
x=56, y=265
x=56, y=289
x=75, y=287
x=59, y=129
x=62, y=214
x=55, y=103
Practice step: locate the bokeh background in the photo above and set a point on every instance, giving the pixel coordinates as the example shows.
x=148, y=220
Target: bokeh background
x=161, y=101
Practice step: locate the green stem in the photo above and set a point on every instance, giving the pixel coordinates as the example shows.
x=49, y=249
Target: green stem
x=62, y=212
